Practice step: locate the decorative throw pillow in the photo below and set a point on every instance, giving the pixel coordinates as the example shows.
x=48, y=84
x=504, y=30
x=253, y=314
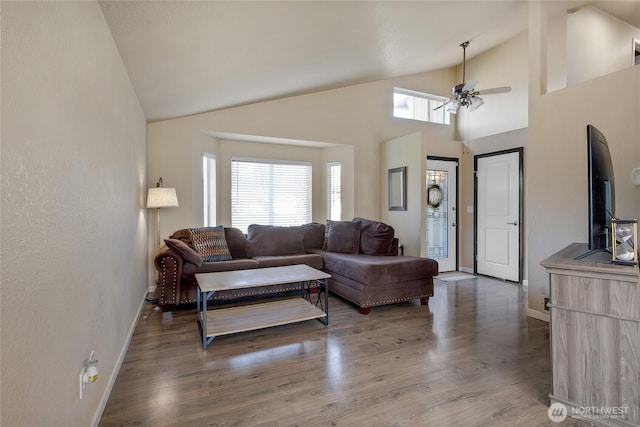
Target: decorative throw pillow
x=344, y=237
x=237, y=242
x=325, y=238
x=184, y=251
x=210, y=243
x=376, y=238
x=183, y=235
x=313, y=235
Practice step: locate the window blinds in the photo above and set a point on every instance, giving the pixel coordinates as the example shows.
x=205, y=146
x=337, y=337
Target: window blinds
x=270, y=192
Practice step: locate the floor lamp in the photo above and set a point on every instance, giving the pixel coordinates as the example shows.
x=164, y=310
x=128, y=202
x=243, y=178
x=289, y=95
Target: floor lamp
x=160, y=197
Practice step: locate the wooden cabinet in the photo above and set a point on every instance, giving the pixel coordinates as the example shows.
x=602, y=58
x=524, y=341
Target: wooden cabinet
x=595, y=338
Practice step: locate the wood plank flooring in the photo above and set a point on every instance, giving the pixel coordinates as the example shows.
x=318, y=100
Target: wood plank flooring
x=469, y=358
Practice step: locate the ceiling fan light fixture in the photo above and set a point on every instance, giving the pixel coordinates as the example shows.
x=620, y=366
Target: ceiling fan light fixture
x=475, y=102
x=452, y=106
x=464, y=94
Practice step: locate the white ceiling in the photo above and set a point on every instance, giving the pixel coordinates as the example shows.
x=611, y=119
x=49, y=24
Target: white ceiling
x=186, y=57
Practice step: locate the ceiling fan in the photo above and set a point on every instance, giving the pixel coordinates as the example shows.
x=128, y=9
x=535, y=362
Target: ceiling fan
x=464, y=94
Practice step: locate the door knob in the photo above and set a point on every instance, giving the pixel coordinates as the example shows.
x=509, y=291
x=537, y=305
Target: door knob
x=513, y=223
x=453, y=224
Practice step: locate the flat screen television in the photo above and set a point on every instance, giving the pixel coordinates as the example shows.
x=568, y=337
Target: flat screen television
x=601, y=191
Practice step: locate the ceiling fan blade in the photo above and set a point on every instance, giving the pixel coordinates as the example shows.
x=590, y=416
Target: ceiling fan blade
x=469, y=85
x=448, y=105
x=503, y=89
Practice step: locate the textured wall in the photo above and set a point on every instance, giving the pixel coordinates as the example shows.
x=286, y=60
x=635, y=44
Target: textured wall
x=73, y=223
x=555, y=167
x=358, y=116
x=597, y=44
x=406, y=152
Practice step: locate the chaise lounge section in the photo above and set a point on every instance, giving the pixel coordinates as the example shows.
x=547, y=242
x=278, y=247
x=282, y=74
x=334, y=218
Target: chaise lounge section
x=362, y=257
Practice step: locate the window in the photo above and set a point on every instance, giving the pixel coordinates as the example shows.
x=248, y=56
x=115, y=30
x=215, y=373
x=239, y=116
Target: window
x=334, y=205
x=409, y=104
x=209, y=187
x=270, y=192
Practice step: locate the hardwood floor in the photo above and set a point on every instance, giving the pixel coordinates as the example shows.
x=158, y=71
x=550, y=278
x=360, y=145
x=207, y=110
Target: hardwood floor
x=471, y=357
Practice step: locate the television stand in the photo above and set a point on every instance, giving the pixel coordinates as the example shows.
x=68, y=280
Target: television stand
x=596, y=255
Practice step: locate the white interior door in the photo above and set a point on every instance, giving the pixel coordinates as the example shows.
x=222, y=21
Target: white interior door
x=498, y=220
x=442, y=214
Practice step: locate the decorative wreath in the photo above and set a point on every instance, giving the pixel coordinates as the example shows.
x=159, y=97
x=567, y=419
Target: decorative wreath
x=434, y=195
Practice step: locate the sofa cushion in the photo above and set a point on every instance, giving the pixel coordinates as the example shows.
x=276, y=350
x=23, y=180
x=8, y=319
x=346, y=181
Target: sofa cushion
x=343, y=237
x=376, y=238
x=375, y=270
x=313, y=235
x=275, y=240
x=312, y=260
x=238, y=245
x=210, y=243
x=184, y=251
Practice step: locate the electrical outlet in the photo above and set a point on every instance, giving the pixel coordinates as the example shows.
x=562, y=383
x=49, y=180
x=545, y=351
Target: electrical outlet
x=88, y=373
x=82, y=372
x=546, y=303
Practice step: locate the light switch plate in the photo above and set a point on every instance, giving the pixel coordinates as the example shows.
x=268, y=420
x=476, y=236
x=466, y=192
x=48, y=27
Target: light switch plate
x=635, y=176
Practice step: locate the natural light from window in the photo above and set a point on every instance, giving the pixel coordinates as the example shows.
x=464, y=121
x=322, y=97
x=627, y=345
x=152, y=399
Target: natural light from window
x=334, y=198
x=410, y=104
x=209, y=189
x=270, y=192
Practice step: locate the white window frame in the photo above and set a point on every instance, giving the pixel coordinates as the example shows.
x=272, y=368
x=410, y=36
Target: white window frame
x=334, y=191
x=209, y=189
x=291, y=208
x=420, y=106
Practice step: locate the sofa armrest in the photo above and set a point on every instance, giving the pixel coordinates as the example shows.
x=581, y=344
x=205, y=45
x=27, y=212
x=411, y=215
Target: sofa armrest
x=169, y=265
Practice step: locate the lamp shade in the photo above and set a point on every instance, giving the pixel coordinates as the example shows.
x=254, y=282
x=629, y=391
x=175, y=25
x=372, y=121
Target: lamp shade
x=162, y=197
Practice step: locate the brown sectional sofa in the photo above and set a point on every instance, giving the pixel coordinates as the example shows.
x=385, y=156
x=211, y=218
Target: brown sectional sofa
x=360, y=255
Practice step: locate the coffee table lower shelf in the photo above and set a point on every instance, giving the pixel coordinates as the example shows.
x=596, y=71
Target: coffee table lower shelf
x=231, y=320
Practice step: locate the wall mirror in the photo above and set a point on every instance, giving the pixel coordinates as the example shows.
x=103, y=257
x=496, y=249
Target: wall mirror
x=398, y=189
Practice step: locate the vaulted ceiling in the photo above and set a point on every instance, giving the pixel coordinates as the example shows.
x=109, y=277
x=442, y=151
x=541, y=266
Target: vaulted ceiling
x=186, y=57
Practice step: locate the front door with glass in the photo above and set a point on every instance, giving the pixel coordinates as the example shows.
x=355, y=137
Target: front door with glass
x=442, y=215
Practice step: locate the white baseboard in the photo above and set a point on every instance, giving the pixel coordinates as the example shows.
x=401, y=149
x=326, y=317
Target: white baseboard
x=466, y=270
x=538, y=315
x=116, y=369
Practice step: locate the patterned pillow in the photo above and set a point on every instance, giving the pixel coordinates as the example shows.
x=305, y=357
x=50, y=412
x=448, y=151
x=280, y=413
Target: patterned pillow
x=210, y=243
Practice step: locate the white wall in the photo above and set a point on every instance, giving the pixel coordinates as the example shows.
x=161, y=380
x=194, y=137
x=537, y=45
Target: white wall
x=499, y=124
x=405, y=151
x=504, y=65
x=597, y=44
x=73, y=223
x=556, y=158
x=357, y=118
